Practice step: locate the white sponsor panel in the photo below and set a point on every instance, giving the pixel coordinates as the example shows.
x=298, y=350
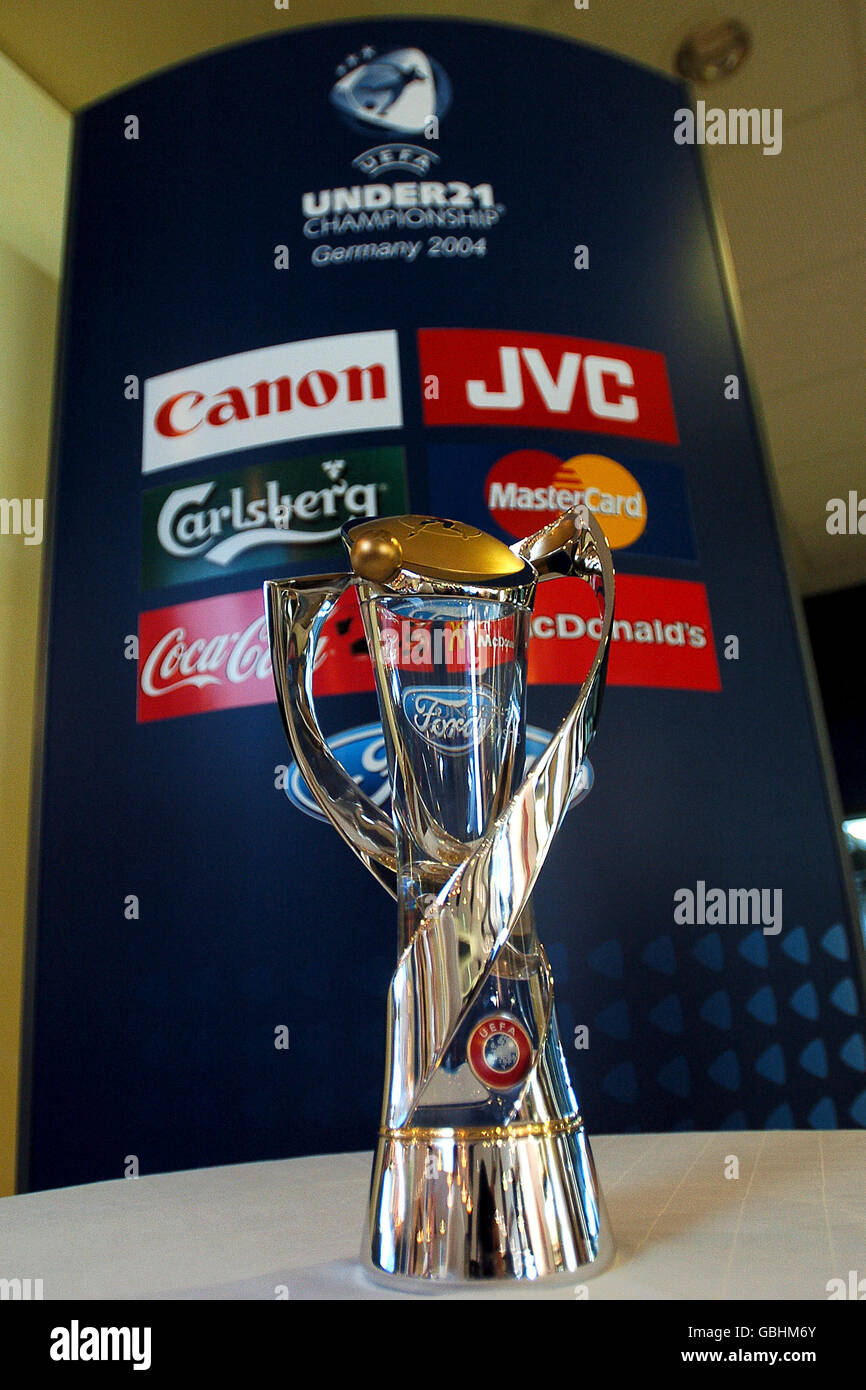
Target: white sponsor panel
x=318, y=386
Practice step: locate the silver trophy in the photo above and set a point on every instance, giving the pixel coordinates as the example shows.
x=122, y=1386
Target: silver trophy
x=482, y=1170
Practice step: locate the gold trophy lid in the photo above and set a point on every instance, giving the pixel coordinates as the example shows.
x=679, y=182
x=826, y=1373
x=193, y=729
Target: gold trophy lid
x=434, y=549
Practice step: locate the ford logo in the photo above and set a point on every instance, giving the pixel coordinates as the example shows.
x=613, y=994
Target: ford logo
x=362, y=752
x=451, y=718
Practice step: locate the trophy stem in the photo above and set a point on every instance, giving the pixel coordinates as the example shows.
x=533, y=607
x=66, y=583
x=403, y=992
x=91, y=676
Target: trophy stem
x=478, y=1204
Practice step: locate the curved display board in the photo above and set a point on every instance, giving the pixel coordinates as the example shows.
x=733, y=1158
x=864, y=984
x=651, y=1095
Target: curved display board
x=349, y=271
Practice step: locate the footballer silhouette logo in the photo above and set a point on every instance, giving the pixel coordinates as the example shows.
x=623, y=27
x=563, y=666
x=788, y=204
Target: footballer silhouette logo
x=395, y=92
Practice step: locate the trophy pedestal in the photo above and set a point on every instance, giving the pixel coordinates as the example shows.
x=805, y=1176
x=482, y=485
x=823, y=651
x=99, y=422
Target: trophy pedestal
x=468, y=1207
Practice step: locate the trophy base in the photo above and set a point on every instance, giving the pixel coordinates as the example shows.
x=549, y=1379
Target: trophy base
x=468, y=1207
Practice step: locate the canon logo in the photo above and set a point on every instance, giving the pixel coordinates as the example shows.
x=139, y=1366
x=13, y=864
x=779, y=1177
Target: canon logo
x=186, y=411
x=292, y=391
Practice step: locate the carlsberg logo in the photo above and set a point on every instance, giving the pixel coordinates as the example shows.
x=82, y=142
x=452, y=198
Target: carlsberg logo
x=195, y=531
x=187, y=527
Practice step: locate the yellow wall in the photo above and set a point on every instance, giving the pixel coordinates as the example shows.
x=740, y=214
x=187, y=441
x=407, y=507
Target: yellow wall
x=34, y=143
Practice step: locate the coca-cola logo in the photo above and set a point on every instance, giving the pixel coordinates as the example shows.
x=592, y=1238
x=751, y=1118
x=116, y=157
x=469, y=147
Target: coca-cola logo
x=203, y=656
x=177, y=660
x=451, y=719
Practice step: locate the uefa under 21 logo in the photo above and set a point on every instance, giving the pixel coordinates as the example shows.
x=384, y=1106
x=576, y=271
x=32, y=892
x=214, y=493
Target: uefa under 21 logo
x=396, y=92
x=362, y=753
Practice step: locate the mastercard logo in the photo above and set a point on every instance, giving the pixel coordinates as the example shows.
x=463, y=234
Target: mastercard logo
x=528, y=489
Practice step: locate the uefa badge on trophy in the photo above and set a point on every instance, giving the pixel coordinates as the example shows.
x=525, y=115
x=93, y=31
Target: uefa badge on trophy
x=483, y=1170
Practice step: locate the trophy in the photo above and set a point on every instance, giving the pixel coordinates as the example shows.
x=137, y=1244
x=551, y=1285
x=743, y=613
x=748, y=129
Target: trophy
x=483, y=1171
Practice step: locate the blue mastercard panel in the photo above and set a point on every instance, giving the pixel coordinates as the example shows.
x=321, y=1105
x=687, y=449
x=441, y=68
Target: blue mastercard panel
x=642, y=504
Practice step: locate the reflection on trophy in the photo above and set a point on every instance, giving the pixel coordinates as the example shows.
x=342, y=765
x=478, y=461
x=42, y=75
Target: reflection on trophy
x=483, y=1170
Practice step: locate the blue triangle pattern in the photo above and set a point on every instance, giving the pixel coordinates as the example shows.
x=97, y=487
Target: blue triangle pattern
x=835, y=942
x=660, y=956
x=844, y=996
x=736, y=1120
x=771, y=1064
x=813, y=1058
x=675, y=1077
x=780, y=1118
x=621, y=1083
x=858, y=1110
x=725, y=1070
x=754, y=948
x=607, y=960
x=667, y=1014
x=823, y=1115
x=805, y=1001
x=614, y=1020
x=853, y=1052
x=796, y=945
x=717, y=1009
x=709, y=951
x=762, y=1005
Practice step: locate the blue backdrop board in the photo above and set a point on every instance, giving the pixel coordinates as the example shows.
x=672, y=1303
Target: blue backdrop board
x=340, y=273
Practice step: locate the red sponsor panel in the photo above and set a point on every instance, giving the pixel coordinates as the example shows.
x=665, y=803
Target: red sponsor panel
x=544, y=381
x=343, y=665
x=213, y=654
x=456, y=645
x=662, y=635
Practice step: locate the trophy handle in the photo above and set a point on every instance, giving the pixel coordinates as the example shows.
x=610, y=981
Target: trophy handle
x=574, y=546
x=296, y=611
x=484, y=898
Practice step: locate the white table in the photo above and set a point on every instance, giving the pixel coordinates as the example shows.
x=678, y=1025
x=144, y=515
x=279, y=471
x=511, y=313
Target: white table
x=794, y=1219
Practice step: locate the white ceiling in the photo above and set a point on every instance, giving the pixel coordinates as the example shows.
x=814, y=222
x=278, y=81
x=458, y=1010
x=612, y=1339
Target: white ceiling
x=797, y=221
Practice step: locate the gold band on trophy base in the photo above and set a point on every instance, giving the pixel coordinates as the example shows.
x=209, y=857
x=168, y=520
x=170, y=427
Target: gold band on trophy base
x=447, y=1212
x=485, y=1134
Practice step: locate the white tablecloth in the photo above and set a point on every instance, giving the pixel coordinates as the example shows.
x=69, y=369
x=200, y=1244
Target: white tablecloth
x=794, y=1219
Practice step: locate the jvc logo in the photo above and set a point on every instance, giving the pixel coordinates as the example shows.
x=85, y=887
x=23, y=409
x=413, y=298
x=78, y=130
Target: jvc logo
x=449, y=718
x=600, y=375
x=546, y=381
